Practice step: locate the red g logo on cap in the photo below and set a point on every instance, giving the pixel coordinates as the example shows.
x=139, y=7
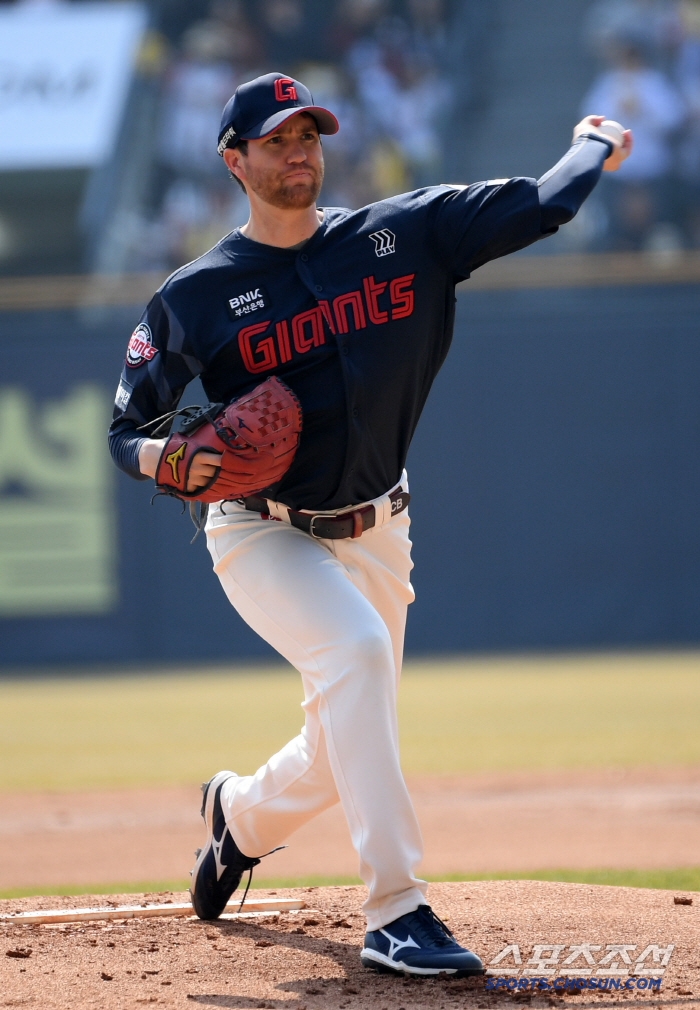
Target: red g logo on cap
x=285, y=90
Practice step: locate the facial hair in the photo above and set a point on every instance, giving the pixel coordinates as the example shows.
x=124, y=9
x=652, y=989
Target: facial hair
x=269, y=187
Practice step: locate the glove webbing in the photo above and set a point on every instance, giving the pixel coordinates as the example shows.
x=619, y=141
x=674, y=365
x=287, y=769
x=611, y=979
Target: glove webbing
x=192, y=414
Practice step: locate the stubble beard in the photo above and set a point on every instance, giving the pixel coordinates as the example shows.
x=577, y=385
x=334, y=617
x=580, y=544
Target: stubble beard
x=270, y=188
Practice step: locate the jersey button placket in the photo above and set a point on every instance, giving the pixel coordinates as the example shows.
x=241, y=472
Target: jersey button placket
x=306, y=274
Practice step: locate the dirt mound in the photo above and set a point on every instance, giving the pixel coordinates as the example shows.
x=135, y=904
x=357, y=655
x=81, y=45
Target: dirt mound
x=308, y=960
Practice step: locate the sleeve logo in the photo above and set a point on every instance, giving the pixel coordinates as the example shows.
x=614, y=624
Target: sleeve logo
x=285, y=90
x=124, y=391
x=384, y=242
x=140, y=347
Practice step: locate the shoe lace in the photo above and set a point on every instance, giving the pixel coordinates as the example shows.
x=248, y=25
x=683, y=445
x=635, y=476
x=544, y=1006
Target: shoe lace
x=432, y=928
x=255, y=862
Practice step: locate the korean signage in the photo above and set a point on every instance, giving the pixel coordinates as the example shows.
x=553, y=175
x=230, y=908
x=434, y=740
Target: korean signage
x=57, y=527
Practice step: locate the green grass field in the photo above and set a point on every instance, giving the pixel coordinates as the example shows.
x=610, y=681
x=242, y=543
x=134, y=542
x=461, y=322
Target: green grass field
x=456, y=717
x=684, y=879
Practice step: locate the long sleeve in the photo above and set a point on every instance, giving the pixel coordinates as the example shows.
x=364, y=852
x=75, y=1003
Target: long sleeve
x=124, y=445
x=159, y=364
x=564, y=188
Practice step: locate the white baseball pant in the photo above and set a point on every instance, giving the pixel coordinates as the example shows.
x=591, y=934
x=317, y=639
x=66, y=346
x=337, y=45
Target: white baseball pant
x=336, y=610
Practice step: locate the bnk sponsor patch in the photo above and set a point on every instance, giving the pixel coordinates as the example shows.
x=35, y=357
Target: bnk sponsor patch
x=140, y=347
x=246, y=302
x=124, y=391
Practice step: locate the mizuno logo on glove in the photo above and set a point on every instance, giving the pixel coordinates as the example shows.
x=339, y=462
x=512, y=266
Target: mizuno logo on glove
x=173, y=461
x=256, y=436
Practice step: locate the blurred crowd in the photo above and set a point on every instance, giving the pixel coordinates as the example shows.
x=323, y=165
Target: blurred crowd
x=649, y=82
x=379, y=65
x=391, y=71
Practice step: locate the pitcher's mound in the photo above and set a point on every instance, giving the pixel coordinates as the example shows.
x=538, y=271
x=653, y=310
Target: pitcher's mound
x=620, y=938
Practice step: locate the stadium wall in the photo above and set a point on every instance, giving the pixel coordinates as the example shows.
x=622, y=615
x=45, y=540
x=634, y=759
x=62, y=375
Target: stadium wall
x=554, y=476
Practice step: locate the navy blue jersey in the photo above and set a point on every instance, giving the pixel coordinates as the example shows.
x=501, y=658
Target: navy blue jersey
x=357, y=322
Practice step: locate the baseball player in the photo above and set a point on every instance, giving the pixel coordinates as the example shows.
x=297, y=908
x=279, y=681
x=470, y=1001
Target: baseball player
x=336, y=322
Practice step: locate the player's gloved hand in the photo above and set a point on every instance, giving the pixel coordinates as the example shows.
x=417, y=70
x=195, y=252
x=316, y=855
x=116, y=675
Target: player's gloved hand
x=204, y=467
x=228, y=453
x=204, y=464
x=622, y=147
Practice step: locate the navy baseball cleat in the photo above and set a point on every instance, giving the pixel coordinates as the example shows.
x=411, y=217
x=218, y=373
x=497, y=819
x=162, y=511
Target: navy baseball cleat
x=220, y=863
x=420, y=944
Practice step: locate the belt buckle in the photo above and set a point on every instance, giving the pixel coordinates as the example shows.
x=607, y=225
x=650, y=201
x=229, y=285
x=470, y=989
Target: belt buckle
x=311, y=525
x=355, y=514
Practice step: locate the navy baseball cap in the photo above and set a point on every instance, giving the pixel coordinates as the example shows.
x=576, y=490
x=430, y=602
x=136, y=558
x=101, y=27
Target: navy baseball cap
x=259, y=107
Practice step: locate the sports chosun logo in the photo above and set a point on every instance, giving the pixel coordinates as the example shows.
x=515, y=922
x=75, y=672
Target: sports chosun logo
x=140, y=347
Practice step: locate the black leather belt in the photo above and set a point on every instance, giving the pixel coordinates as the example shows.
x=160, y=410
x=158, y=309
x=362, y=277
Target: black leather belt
x=323, y=527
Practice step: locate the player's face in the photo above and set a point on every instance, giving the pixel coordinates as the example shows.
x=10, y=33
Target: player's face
x=286, y=168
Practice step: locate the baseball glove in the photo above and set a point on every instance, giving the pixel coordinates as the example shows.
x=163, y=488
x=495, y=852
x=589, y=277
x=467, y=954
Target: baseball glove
x=257, y=436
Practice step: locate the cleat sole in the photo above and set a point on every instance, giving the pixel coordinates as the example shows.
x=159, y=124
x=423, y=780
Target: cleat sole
x=382, y=968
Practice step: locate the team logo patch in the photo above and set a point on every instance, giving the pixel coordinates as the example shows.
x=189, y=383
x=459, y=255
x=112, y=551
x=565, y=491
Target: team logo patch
x=285, y=90
x=140, y=347
x=248, y=301
x=384, y=242
x=124, y=391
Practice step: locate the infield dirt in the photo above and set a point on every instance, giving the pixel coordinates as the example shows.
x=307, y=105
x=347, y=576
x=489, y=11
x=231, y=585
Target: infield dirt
x=518, y=822
x=309, y=960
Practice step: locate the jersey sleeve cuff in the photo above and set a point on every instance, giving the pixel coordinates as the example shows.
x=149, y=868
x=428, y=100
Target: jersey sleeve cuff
x=597, y=136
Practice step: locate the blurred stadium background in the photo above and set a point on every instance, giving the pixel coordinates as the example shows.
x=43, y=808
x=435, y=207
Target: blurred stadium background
x=555, y=474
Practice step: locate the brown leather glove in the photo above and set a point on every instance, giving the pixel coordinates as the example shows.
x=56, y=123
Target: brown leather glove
x=257, y=436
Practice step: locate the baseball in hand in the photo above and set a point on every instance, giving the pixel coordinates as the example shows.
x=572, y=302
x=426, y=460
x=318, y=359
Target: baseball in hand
x=613, y=130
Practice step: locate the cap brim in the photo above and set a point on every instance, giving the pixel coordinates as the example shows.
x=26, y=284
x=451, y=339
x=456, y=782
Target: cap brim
x=326, y=121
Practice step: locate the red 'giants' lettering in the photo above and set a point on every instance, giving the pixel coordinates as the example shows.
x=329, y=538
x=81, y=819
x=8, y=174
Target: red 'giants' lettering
x=285, y=90
x=314, y=320
x=326, y=310
x=372, y=293
x=308, y=327
x=283, y=341
x=401, y=297
x=354, y=299
x=264, y=352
